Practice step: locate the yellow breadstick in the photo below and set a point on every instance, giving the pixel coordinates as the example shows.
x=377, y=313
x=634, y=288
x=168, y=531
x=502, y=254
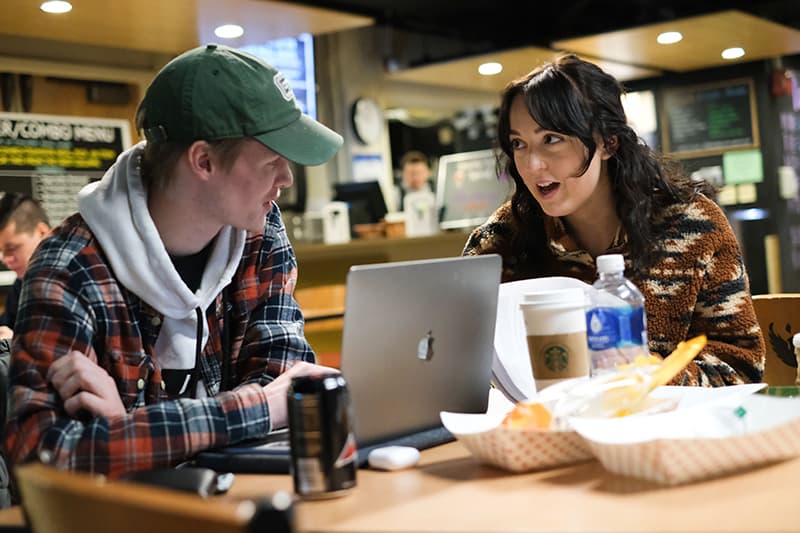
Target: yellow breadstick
x=628, y=397
x=677, y=361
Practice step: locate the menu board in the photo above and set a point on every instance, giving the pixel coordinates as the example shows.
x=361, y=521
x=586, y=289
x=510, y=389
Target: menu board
x=52, y=157
x=709, y=119
x=468, y=188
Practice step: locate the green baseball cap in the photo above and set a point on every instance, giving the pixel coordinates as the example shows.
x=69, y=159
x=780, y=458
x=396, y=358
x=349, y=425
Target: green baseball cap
x=216, y=92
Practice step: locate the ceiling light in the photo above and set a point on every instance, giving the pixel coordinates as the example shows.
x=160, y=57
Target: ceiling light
x=229, y=31
x=669, y=37
x=732, y=53
x=490, y=69
x=56, y=6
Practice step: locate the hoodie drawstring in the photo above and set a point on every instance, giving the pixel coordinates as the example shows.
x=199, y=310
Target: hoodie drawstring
x=226, y=340
x=197, y=349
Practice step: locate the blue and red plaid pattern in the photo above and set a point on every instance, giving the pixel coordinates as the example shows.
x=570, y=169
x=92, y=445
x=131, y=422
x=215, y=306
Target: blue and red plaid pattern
x=72, y=301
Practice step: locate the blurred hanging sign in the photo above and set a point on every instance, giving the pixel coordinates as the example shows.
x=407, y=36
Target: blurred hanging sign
x=294, y=57
x=51, y=157
x=743, y=166
x=709, y=119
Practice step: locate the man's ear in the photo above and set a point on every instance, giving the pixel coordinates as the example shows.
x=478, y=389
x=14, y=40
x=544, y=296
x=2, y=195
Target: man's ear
x=41, y=230
x=199, y=157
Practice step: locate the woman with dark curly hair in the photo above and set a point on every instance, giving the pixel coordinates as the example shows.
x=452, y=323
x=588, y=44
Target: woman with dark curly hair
x=586, y=185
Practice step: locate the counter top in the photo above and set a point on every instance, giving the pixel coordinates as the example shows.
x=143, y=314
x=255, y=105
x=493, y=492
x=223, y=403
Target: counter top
x=324, y=264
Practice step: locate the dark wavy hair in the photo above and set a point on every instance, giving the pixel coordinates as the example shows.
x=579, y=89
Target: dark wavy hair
x=576, y=98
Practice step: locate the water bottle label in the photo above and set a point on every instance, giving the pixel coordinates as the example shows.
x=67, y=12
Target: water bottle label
x=614, y=327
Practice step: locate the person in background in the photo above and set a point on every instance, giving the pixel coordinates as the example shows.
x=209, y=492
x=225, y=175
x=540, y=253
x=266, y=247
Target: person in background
x=586, y=186
x=23, y=224
x=159, y=321
x=415, y=175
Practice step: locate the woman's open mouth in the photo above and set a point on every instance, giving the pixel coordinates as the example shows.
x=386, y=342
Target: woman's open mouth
x=548, y=189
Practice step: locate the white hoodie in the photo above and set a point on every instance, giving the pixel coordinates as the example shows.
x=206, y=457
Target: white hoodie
x=115, y=208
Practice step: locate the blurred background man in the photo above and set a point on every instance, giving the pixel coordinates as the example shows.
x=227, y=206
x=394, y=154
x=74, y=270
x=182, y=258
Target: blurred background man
x=23, y=224
x=416, y=175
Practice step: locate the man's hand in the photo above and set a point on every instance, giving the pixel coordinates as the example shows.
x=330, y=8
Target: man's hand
x=84, y=386
x=278, y=389
x=6, y=332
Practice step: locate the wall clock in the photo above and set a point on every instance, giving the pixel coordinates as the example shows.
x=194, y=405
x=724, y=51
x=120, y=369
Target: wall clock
x=367, y=118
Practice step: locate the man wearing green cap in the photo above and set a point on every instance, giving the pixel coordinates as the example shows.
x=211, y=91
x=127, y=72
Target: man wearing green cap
x=159, y=321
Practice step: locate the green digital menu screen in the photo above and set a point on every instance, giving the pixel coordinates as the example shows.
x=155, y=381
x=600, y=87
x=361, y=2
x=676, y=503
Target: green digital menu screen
x=709, y=119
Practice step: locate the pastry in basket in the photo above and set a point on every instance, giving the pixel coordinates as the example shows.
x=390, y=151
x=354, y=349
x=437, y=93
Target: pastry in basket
x=528, y=415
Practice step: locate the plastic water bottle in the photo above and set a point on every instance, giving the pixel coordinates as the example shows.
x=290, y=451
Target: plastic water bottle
x=616, y=323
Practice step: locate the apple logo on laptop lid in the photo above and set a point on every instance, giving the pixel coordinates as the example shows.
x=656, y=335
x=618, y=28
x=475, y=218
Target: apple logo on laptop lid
x=425, y=347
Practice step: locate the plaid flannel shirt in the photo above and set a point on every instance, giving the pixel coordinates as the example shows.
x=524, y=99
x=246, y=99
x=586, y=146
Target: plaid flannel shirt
x=72, y=301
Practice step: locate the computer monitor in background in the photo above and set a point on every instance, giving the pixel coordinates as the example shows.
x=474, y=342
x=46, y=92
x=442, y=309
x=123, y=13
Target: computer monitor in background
x=468, y=189
x=365, y=199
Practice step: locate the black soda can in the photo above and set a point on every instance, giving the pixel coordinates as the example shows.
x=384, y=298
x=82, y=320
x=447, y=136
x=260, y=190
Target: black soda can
x=323, y=447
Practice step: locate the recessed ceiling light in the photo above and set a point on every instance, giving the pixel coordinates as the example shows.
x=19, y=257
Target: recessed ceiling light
x=490, y=69
x=56, y=6
x=669, y=37
x=732, y=53
x=229, y=31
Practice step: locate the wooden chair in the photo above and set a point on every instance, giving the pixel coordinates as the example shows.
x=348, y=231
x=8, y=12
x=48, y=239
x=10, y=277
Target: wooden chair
x=56, y=501
x=323, y=309
x=779, y=318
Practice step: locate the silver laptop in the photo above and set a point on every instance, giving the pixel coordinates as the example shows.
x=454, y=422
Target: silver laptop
x=418, y=339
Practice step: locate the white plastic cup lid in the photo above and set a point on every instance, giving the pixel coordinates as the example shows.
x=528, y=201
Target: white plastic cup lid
x=572, y=296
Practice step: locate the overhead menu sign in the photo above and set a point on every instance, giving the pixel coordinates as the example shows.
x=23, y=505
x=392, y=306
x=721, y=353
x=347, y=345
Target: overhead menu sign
x=52, y=157
x=709, y=119
x=30, y=142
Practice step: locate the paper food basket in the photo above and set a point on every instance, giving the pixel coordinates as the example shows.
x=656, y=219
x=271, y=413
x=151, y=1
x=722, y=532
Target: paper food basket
x=699, y=443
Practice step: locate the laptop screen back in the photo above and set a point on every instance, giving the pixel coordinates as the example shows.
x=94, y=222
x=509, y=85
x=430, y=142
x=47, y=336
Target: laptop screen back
x=417, y=340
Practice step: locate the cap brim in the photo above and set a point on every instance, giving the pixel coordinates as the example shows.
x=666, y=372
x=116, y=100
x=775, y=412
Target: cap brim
x=305, y=141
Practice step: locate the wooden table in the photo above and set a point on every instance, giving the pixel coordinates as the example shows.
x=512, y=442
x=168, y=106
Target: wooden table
x=450, y=491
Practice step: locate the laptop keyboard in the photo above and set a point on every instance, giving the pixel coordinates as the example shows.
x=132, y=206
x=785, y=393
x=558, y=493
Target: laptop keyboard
x=421, y=440
x=270, y=455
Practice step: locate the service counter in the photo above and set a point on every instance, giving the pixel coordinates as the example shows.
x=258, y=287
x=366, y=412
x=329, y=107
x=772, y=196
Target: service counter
x=328, y=264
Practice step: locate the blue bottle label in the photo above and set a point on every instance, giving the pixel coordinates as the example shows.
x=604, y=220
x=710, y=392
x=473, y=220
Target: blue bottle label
x=614, y=327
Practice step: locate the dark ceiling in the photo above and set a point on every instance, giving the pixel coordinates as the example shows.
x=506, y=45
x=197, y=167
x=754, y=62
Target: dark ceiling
x=486, y=25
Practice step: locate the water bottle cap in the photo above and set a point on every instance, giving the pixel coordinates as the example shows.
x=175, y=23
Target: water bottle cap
x=607, y=264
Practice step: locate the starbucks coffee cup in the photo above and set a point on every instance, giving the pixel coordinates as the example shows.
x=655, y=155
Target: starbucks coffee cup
x=555, y=325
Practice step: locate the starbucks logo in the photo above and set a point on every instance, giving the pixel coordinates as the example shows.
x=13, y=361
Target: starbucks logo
x=556, y=358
